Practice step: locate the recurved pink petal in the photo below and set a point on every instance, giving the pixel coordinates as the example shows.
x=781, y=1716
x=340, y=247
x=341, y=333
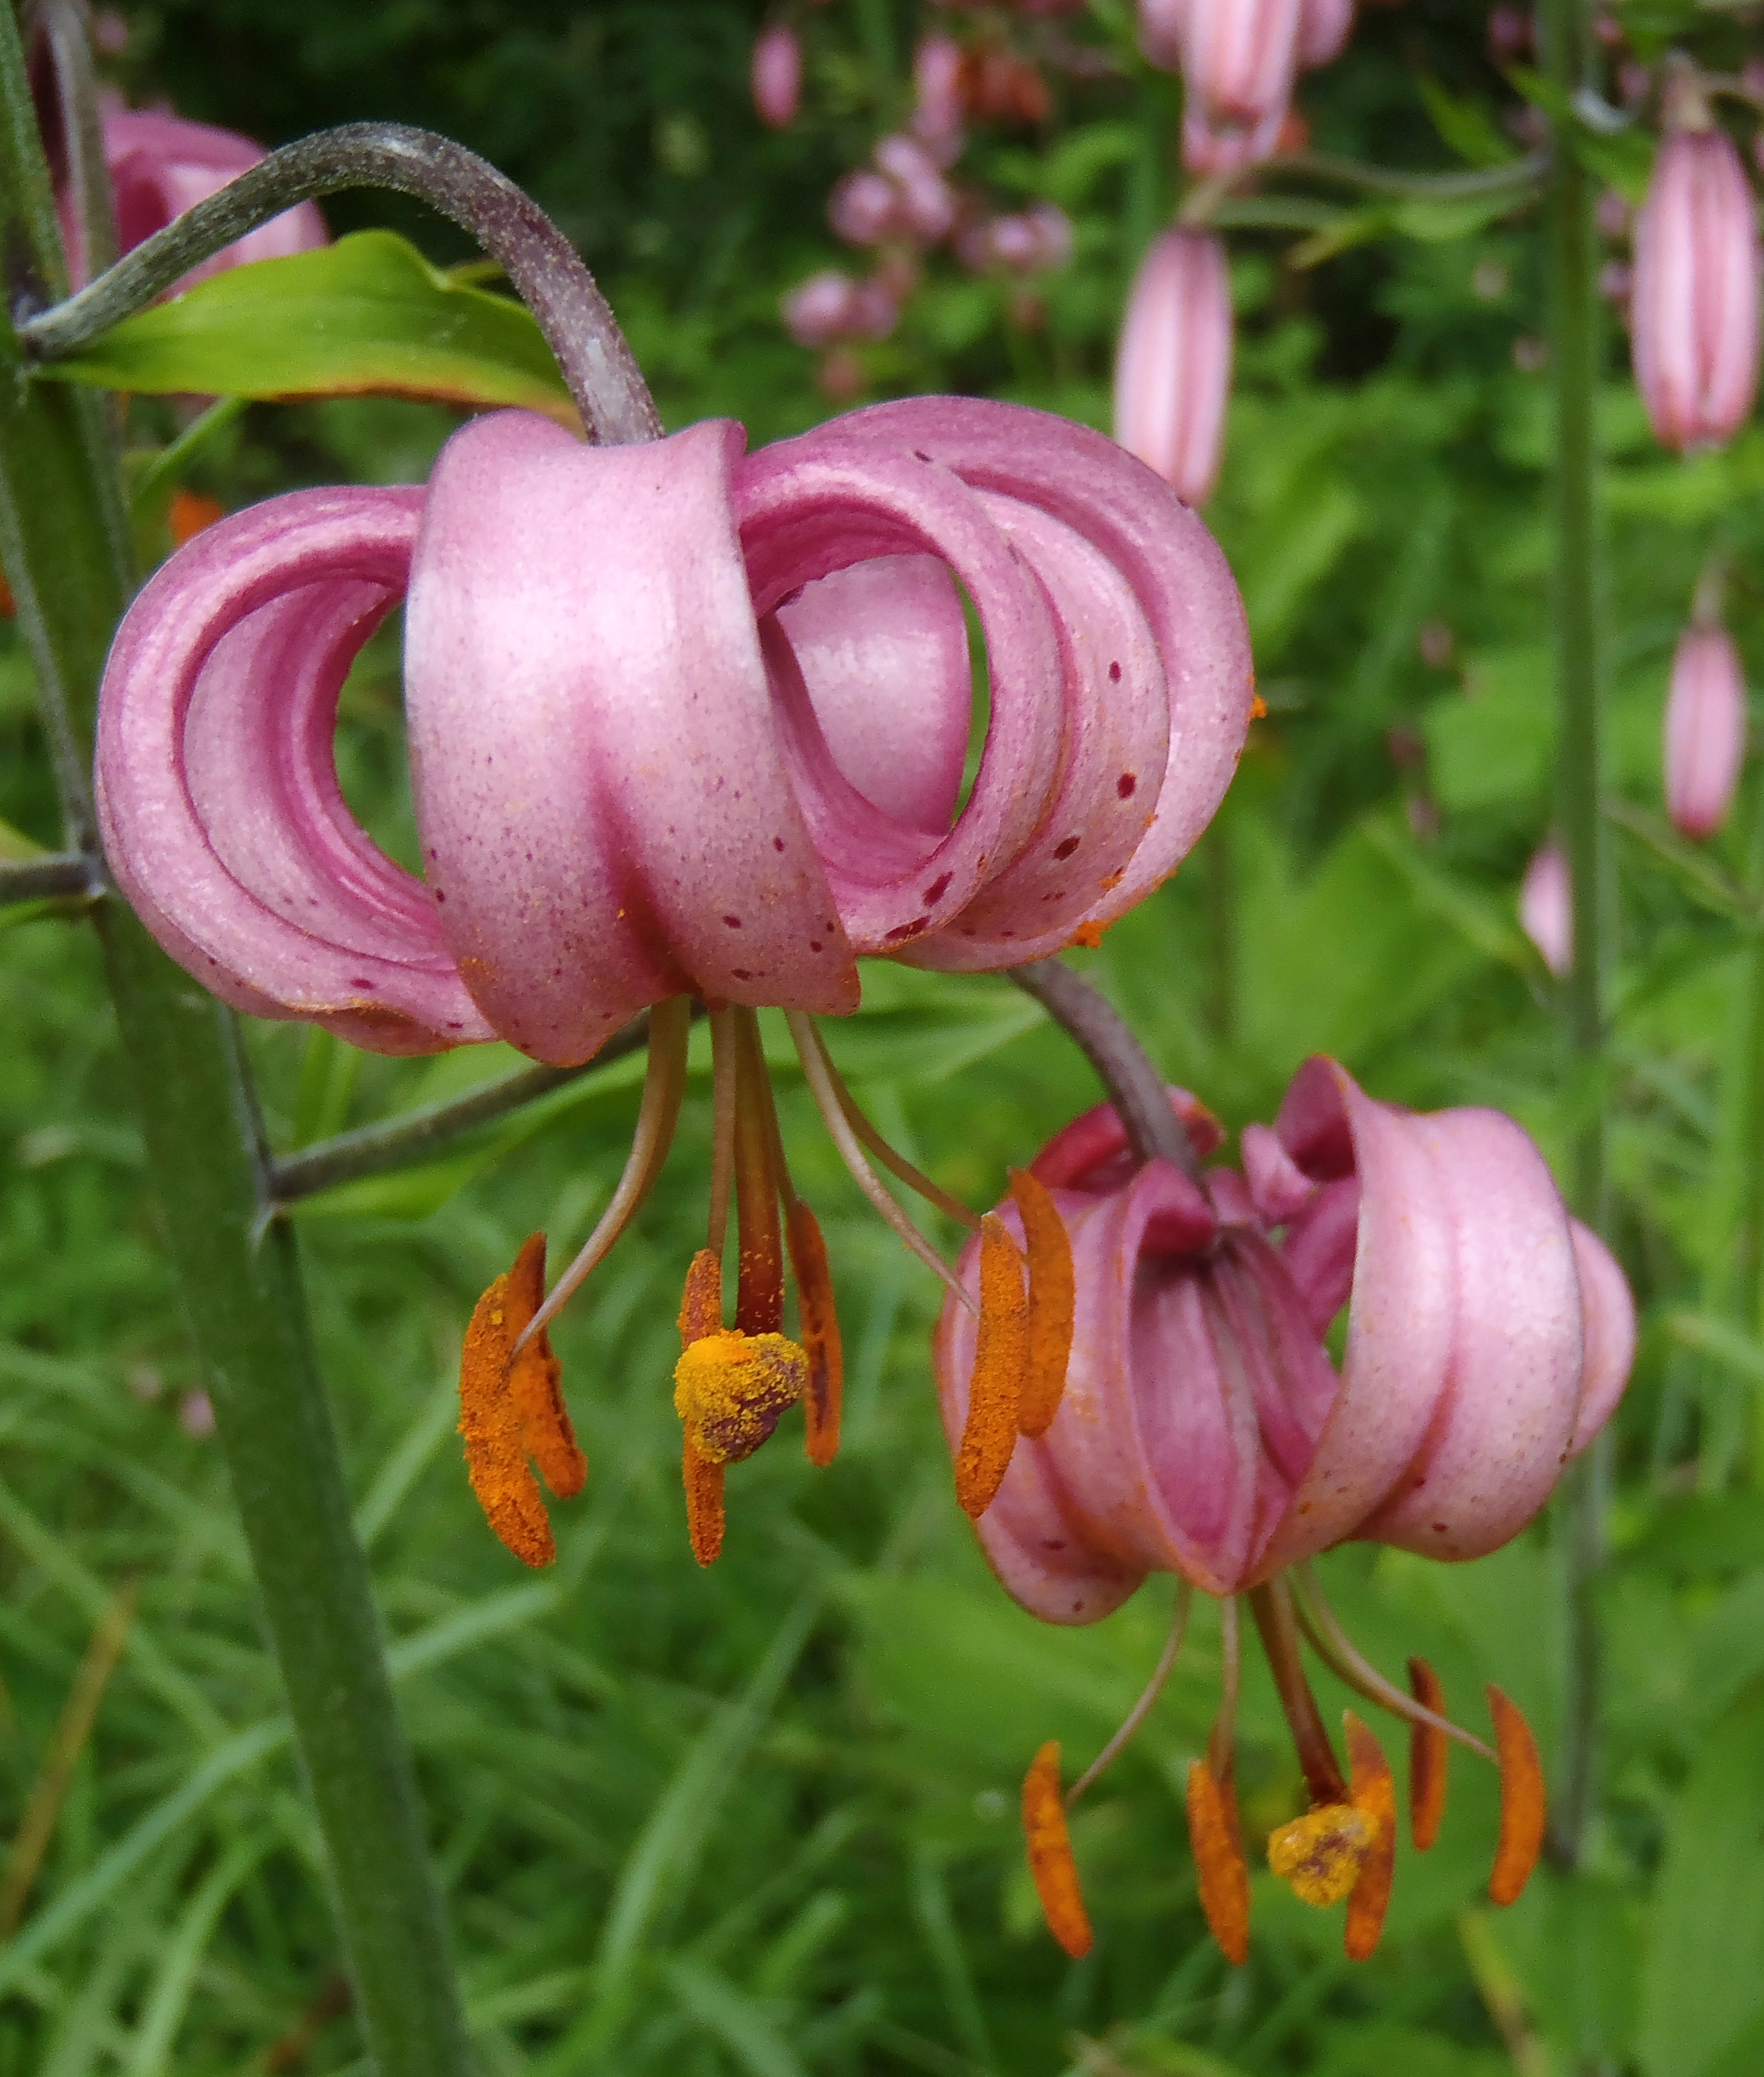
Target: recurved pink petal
x=218, y=793
x=1181, y=582
x=1173, y=365
x=860, y=636
x=601, y=787
x=1704, y=729
x=1607, y=1323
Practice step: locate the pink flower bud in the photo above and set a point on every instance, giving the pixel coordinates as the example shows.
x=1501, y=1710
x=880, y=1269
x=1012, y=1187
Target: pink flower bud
x=777, y=76
x=1705, y=739
x=817, y=311
x=1695, y=311
x=1173, y=368
x=864, y=208
x=1324, y=28
x=936, y=85
x=1160, y=31
x=1239, y=57
x=927, y=201
x=1546, y=907
x=1025, y=242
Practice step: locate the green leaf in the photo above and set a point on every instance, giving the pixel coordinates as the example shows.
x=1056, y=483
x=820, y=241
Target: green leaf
x=366, y=316
x=1465, y=126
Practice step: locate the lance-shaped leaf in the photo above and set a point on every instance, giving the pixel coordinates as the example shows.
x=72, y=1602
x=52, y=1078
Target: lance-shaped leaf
x=367, y=315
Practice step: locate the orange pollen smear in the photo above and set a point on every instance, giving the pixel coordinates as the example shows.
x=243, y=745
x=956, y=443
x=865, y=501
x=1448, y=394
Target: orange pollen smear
x=1001, y=1358
x=1319, y=1856
x=1050, y=1861
x=190, y=513
x=731, y=1389
x=821, y=1343
x=1372, y=1791
x=1052, y=1303
x=1089, y=936
x=1259, y=707
x=1428, y=1751
x=511, y=1408
x=1220, y=1866
x=1522, y=1810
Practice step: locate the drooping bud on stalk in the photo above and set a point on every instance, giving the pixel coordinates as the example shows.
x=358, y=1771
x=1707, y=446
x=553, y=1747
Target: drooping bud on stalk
x=777, y=76
x=1695, y=309
x=1239, y=57
x=1546, y=907
x=1173, y=368
x=1324, y=28
x=1704, y=743
x=936, y=86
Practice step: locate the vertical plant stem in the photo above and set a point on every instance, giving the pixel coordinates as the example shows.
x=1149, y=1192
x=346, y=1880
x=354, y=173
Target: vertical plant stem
x=64, y=545
x=1566, y=26
x=1746, y=1297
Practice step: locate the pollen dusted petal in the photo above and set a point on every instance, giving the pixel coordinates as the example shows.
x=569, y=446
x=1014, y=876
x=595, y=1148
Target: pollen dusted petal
x=1052, y=1301
x=1428, y=1752
x=821, y=1343
x=704, y=1504
x=536, y=1381
x=1000, y=1355
x=1050, y=1860
x=1373, y=1793
x=1319, y=1856
x=731, y=1389
x=1522, y=1809
x=1219, y=1864
x=506, y=1489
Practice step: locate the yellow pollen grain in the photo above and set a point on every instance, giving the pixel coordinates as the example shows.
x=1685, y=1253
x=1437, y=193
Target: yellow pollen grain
x=1050, y=1861
x=730, y=1389
x=1319, y=1856
x=1001, y=1358
x=1052, y=1303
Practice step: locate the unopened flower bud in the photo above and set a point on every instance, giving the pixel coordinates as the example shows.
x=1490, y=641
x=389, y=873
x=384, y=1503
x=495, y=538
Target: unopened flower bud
x=1704, y=736
x=937, y=85
x=864, y=208
x=777, y=76
x=1324, y=28
x=1237, y=62
x=818, y=310
x=1693, y=313
x=1546, y=908
x=1173, y=368
x=927, y=202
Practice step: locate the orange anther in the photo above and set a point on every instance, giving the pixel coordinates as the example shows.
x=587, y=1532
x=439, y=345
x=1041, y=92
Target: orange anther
x=1050, y=1860
x=821, y=1343
x=536, y=1381
x=1522, y=1800
x=1052, y=1299
x=190, y=512
x=1000, y=1355
x=490, y=1425
x=1372, y=1792
x=704, y=1504
x=1428, y=1752
x=1219, y=1864
x=700, y=1303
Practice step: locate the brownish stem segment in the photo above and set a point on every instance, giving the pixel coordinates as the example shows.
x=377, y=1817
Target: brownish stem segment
x=759, y=1235
x=1272, y=1605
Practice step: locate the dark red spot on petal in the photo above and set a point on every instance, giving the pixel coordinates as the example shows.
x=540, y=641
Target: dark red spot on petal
x=938, y=887
x=1125, y=784
x=1114, y=674
x=777, y=843
x=1065, y=850
x=733, y=921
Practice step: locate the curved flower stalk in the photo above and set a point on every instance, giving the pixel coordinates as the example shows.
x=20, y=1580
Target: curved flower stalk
x=1694, y=304
x=1173, y=365
x=1703, y=745
x=682, y=721
x=160, y=165
x=1204, y=1431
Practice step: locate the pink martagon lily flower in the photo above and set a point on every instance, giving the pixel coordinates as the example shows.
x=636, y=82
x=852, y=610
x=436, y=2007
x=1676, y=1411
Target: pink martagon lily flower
x=1203, y=1430
x=1704, y=731
x=681, y=720
x=160, y=165
x=1694, y=305
x=1173, y=365
x=1237, y=59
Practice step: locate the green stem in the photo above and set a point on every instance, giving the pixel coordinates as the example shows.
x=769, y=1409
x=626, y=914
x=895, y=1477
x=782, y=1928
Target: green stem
x=1746, y=1298
x=1575, y=345
x=63, y=542
x=60, y=872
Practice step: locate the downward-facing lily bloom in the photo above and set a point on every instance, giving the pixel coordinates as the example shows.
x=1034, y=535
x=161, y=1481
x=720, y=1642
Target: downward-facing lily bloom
x=1204, y=1431
x=1694, y=305
x=1173, y=365
x=682, y=721
x=160, y=165
x=1704, y=735
x=1238, y=61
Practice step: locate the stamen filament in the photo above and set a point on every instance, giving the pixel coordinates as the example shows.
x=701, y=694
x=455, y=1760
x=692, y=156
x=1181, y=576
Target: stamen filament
x=664, y=1083
x=817, y=1071
x=821, y=1343
x=1052, y=1302
x=1050, y=1861
x=1272, y=1605
x=1222, y=1743
x=1522, y=1810
x=1142, y=1709
x=1336, y=1650
x=915, y=1179
x=759, y=1242
x=722, y=1124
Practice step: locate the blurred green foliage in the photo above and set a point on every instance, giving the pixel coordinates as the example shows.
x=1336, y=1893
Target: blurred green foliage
x=760, y=1820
